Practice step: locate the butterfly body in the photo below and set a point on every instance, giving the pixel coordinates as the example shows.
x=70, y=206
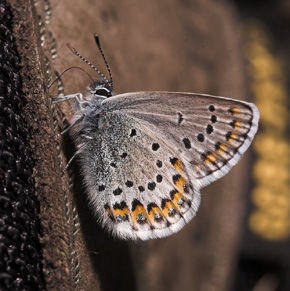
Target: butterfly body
x=146, y=155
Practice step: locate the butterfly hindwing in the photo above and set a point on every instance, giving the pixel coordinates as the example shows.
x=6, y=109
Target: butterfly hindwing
x=137, y=196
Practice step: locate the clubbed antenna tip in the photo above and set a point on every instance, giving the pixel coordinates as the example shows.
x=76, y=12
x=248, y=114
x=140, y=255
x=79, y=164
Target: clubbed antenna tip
x=97, y=40
x=71, y=48
x=106, y=63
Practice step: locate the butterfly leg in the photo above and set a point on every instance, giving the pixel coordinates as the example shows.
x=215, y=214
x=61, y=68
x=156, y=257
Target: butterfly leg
x=70, y=126
x=78, y=97
x=72, y=158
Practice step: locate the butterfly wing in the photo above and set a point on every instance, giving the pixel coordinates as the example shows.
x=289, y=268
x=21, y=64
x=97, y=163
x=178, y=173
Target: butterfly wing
x=152, y=153
x=211, y=133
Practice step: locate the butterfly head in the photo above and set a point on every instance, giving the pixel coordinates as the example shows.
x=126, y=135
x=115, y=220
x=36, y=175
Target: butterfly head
x=101, y=87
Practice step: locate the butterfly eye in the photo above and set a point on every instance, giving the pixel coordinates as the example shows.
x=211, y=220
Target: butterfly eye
x=103, y=92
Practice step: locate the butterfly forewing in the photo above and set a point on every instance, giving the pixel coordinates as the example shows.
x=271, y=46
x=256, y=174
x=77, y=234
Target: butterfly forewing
x=210, y=133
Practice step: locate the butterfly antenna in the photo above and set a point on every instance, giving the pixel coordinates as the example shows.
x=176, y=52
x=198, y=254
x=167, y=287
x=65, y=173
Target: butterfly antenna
x=70, y=68
x=91, y=65
x=103, y=56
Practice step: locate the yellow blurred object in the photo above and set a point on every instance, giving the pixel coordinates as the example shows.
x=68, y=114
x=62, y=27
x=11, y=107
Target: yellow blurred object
x=267, y=227
x=274, y=149
x=270, y=218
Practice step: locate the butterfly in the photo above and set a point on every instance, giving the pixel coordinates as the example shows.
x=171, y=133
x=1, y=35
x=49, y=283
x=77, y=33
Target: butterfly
x=145, y=156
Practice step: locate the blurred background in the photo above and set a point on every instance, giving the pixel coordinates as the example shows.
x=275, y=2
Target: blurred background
x=240, y=238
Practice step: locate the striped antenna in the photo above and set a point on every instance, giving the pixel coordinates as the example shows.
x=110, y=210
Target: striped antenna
x=91, y=65
x=103, y=56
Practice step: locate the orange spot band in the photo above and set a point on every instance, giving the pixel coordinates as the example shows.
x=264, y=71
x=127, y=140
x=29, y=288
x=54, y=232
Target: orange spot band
x=154, y=211
x=176, y=197
x=125, y=211
x=211, y=158
x=168, y=205
x=178, y=166
x=222, y=149
x=180, y=183
x=139, y=210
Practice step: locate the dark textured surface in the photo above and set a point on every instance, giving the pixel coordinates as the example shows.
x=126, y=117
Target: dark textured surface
x=20, y=257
